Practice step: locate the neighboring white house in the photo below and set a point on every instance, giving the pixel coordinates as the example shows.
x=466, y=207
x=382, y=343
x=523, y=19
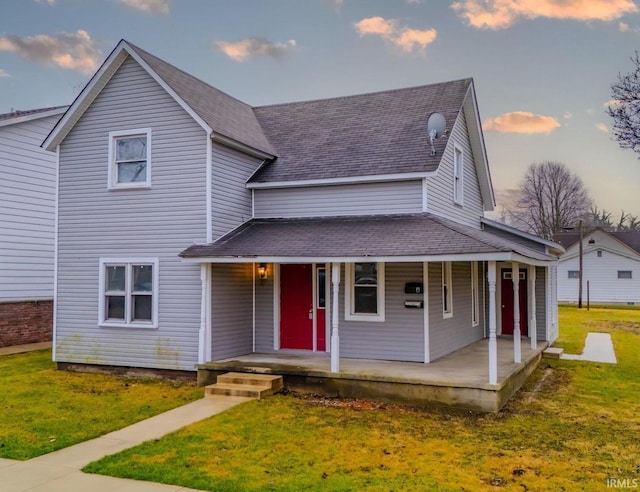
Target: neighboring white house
x=610, y=267
x=27, y=225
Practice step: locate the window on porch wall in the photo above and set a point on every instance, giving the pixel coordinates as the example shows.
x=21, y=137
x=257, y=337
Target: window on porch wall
x=364, y=292
x=447, y=288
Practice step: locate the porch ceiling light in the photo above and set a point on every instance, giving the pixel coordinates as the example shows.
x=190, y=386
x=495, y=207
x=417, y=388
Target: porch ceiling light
x=262, y=271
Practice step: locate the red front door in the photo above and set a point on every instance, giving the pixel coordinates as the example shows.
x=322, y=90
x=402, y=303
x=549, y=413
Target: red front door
x=296, y=307
x=507, y=302
x=321, y=309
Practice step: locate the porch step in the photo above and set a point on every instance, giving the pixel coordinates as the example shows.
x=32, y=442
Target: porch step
x=552, y=353
x=241, y=384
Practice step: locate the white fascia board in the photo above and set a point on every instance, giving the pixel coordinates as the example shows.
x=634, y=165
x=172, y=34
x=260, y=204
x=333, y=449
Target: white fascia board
x=351, y=259
x=344, y=180
x=475, y=125
x=33, y=116
x=500, y=256
x=98, y=82
x=167, y=88
x=574, y=254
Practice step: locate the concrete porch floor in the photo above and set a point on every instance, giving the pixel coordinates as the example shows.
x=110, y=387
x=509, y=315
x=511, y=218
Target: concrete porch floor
x=459, y=379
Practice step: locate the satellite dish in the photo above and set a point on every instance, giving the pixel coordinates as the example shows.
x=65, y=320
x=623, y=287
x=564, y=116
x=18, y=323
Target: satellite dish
x=436, y=127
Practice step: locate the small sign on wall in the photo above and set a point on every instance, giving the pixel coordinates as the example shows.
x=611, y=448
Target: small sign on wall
x=413, y=288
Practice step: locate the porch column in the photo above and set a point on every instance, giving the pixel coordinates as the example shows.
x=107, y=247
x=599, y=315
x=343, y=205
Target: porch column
x=204, y=336
x=533, y=330
x=515, y=278
x=493, y=344
x=335, y=337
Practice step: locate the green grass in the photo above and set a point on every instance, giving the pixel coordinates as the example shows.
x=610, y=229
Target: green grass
x=43, y=409
x=573, y=425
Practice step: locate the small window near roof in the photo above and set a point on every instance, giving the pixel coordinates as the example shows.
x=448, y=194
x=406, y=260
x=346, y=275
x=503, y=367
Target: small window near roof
x=130, y=159
x=574, y=274
x=626, y=274
x=599, y=253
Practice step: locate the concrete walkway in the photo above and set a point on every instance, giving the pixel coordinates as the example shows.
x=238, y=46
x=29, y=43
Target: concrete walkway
x=20, y=349
x=598, y=347
x=60, y=471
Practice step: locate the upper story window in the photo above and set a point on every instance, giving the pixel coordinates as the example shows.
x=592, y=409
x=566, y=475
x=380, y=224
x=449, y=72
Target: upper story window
x=364, y=292
x=599, y=253
x=458, y=174
x=128, y=293
x=130, y=159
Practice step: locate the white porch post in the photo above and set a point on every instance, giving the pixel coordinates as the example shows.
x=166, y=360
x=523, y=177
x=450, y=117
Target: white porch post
x=533, y=330
x=204, y=338
x=335, y=337
x=493, y=344
x=515, y=277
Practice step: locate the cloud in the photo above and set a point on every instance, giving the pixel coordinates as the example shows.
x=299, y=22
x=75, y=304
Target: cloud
x=521, y=122
x=50, y=2
x=403, y=37
x=3, y=74
x=623, y=26
x=151, y=6
x=75, y=51
x=567, y=115
x=602, y=127
x=500, y=14
x=243, y=49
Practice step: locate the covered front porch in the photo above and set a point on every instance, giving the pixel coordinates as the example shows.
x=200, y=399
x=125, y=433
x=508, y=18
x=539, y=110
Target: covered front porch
x=460, y=379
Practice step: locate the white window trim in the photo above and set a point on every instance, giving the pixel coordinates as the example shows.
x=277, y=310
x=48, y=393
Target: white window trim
x=128, y=262
x=349, y=315
x=447, y=279
x=475, y=294
x=113, y=174
x=458, y=200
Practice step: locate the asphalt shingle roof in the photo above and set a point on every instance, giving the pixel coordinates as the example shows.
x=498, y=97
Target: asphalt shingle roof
x=630, y=238
x=380, y=235
x=224, y=114
x=367, y=134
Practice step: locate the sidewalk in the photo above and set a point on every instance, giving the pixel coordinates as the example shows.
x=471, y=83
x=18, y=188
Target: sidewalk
x=60, y=471
x=21, y=349
x=598, y=347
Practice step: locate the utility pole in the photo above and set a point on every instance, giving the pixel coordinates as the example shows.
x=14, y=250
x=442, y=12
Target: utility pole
x=580, y=266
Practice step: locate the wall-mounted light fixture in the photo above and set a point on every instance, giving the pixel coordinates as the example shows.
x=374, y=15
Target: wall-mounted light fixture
x=262, y=271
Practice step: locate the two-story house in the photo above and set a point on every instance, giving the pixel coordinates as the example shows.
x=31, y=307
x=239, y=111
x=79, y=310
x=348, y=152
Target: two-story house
x=27, y=226
x=194, y=228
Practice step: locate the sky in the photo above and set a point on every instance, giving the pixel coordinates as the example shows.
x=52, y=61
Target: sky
x=542, y=69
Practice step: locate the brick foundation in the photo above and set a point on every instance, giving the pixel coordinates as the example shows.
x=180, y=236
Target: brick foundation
x=25, y=322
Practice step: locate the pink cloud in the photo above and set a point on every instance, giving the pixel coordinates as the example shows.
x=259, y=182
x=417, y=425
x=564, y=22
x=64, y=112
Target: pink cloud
x=521, y=122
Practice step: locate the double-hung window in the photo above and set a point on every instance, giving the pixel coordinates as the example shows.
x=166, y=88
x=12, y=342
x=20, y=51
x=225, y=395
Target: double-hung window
x=364, y=292
x=128, y=293
x=130, y=159
x=447, y=291
x=458, y=174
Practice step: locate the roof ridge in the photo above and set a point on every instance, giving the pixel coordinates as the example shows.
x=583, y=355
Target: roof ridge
x=353, y=96
x=16, y=113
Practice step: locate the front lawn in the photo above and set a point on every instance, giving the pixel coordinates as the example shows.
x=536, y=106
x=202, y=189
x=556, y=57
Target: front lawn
x=43, y=409
x=572, y=426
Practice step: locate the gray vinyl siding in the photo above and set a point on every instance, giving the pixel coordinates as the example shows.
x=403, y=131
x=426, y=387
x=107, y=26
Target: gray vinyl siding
x=27, y=211
x=401, y=335
x=95, y=223
x=231, y=319
x=440, y=187
x=449, y=334
x=351, y=199
x=230, y=199
x=264, y=313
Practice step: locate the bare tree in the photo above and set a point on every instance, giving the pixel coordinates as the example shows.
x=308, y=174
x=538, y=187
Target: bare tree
x=551, y=199
x=599, y=218
x=625, y=107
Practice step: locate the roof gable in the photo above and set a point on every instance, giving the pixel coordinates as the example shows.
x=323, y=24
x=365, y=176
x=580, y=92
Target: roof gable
x=626, y=243
x=215, y=111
